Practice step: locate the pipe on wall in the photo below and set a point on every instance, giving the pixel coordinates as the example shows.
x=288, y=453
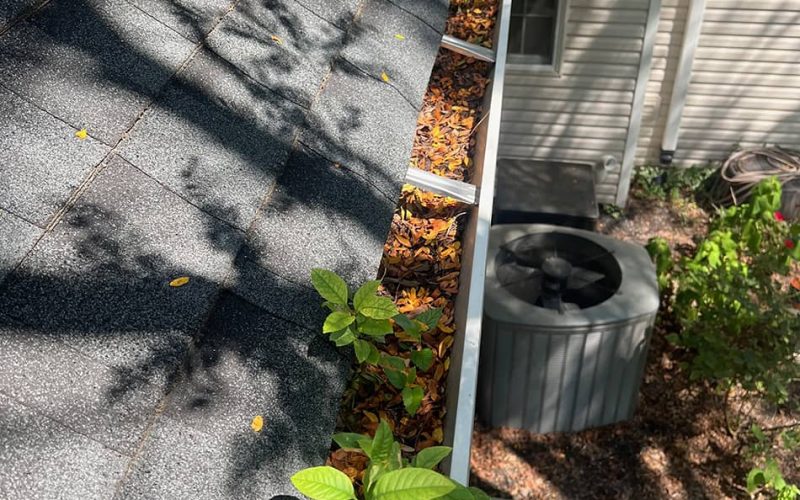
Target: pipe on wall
x=683, y=76
x=637, y=106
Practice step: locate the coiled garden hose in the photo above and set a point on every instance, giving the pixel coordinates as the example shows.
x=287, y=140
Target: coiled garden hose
x=744, y=169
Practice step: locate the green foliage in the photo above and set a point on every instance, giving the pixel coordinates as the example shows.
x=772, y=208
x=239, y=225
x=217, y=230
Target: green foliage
x=769, y=478
x=659, y=183
x=613, y=211
x=411, y=482
x=389, y=476
x=659, y=251
x=733, y=314
x=324, y=483
x=368, y=320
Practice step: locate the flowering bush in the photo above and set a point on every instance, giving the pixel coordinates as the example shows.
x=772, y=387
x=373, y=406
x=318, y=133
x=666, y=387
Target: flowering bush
x=733, y=309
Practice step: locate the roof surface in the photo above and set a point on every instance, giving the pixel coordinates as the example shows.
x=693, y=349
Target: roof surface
x=239, y=143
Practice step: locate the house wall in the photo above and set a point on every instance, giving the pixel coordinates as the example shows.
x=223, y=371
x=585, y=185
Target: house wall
x=584, y=113
x=745, y=85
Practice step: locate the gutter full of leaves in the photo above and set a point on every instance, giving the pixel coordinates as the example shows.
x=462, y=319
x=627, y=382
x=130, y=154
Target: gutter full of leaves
x=402, y=328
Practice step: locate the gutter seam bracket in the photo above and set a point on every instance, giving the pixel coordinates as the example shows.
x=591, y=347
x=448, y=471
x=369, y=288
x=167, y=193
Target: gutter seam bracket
x=468, y=49
x=461, y=191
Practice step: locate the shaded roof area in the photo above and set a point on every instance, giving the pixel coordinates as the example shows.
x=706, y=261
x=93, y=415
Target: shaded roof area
x=239, y=143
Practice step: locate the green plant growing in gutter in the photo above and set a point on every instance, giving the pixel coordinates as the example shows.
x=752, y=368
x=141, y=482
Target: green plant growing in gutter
x=367, y=319
x=389, y=476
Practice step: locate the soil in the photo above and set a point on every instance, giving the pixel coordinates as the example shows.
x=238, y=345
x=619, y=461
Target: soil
x=676, y=446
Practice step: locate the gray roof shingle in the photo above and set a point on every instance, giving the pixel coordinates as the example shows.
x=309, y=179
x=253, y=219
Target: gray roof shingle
x=217, y=153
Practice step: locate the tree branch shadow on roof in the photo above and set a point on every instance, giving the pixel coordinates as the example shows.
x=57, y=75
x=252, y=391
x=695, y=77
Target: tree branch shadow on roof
x=113, y=276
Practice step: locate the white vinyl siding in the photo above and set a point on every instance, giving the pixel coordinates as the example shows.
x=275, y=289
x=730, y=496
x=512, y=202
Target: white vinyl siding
x=745, y=85
x=583, y=113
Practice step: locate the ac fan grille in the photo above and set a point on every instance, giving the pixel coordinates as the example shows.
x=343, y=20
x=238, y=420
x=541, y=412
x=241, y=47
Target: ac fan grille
x=558, y=271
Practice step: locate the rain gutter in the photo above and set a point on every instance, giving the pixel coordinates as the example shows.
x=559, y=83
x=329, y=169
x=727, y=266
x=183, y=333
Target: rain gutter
x=462, y=378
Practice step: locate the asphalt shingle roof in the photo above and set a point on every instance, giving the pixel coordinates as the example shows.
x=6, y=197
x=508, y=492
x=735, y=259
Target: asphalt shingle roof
x=239, y=143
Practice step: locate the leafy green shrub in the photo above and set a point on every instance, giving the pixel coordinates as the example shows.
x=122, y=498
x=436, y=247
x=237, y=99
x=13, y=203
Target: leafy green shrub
x=733, y=314
x=366, y=320
x=389, y=476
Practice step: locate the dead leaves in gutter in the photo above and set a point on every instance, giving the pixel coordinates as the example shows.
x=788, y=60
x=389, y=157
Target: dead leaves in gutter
x=472, y=20
x=422, y=256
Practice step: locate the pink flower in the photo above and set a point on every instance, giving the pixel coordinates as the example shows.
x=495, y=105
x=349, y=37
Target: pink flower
x=779, y=217
x=788, y=244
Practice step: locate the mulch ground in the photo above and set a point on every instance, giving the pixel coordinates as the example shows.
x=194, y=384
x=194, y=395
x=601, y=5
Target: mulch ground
x=676, y=446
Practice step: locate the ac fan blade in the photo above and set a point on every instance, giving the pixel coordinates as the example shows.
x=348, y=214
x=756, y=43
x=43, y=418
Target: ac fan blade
x=521, y=281
x=581, y=277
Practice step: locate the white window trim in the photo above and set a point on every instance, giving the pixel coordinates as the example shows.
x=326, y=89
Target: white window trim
x=517, y=63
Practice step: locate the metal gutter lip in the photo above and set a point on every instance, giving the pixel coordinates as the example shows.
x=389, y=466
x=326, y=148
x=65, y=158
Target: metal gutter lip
x=463, y=377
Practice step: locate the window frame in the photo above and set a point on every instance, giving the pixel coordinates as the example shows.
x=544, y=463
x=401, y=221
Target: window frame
x=530, y=63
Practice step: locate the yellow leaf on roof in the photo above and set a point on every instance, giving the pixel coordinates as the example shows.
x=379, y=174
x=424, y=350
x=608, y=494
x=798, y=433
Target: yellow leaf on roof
x=257, y=424
x=277, y=39
x=81, y=134
x=400, y=37
x=384, y=77
x=179, y=281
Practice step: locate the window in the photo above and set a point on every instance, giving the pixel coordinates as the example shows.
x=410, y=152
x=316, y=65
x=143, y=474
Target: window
x=535, y=34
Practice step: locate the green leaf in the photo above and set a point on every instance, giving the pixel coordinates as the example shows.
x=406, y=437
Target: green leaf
x=362, y=296
x=422, y=359
x=366, y=445
x=430, y=457
x=478, y=494
x=330, y=286
x=412, y=398
x=382, y=443
x=459, y=493
x=411, y=375
x=757, y=432
x=324, y=483
x=348, y=439
x=378, y=307
x=396, y=457
x=430, y=317
x=375, y=327
x=337, y=320
x=395, y=370
x=335, y=307
x=755, y=480
x=372, y=474
x=374, y=355
x=419, y=484
x=408, y=325
x=393, y=362
x=362, y=349
x=396, y=378
x=343, y=337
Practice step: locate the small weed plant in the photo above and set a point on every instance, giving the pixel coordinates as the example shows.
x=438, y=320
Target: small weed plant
x=659, y=183
x=769, y=478
x=366, y=320
x=389, y=475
